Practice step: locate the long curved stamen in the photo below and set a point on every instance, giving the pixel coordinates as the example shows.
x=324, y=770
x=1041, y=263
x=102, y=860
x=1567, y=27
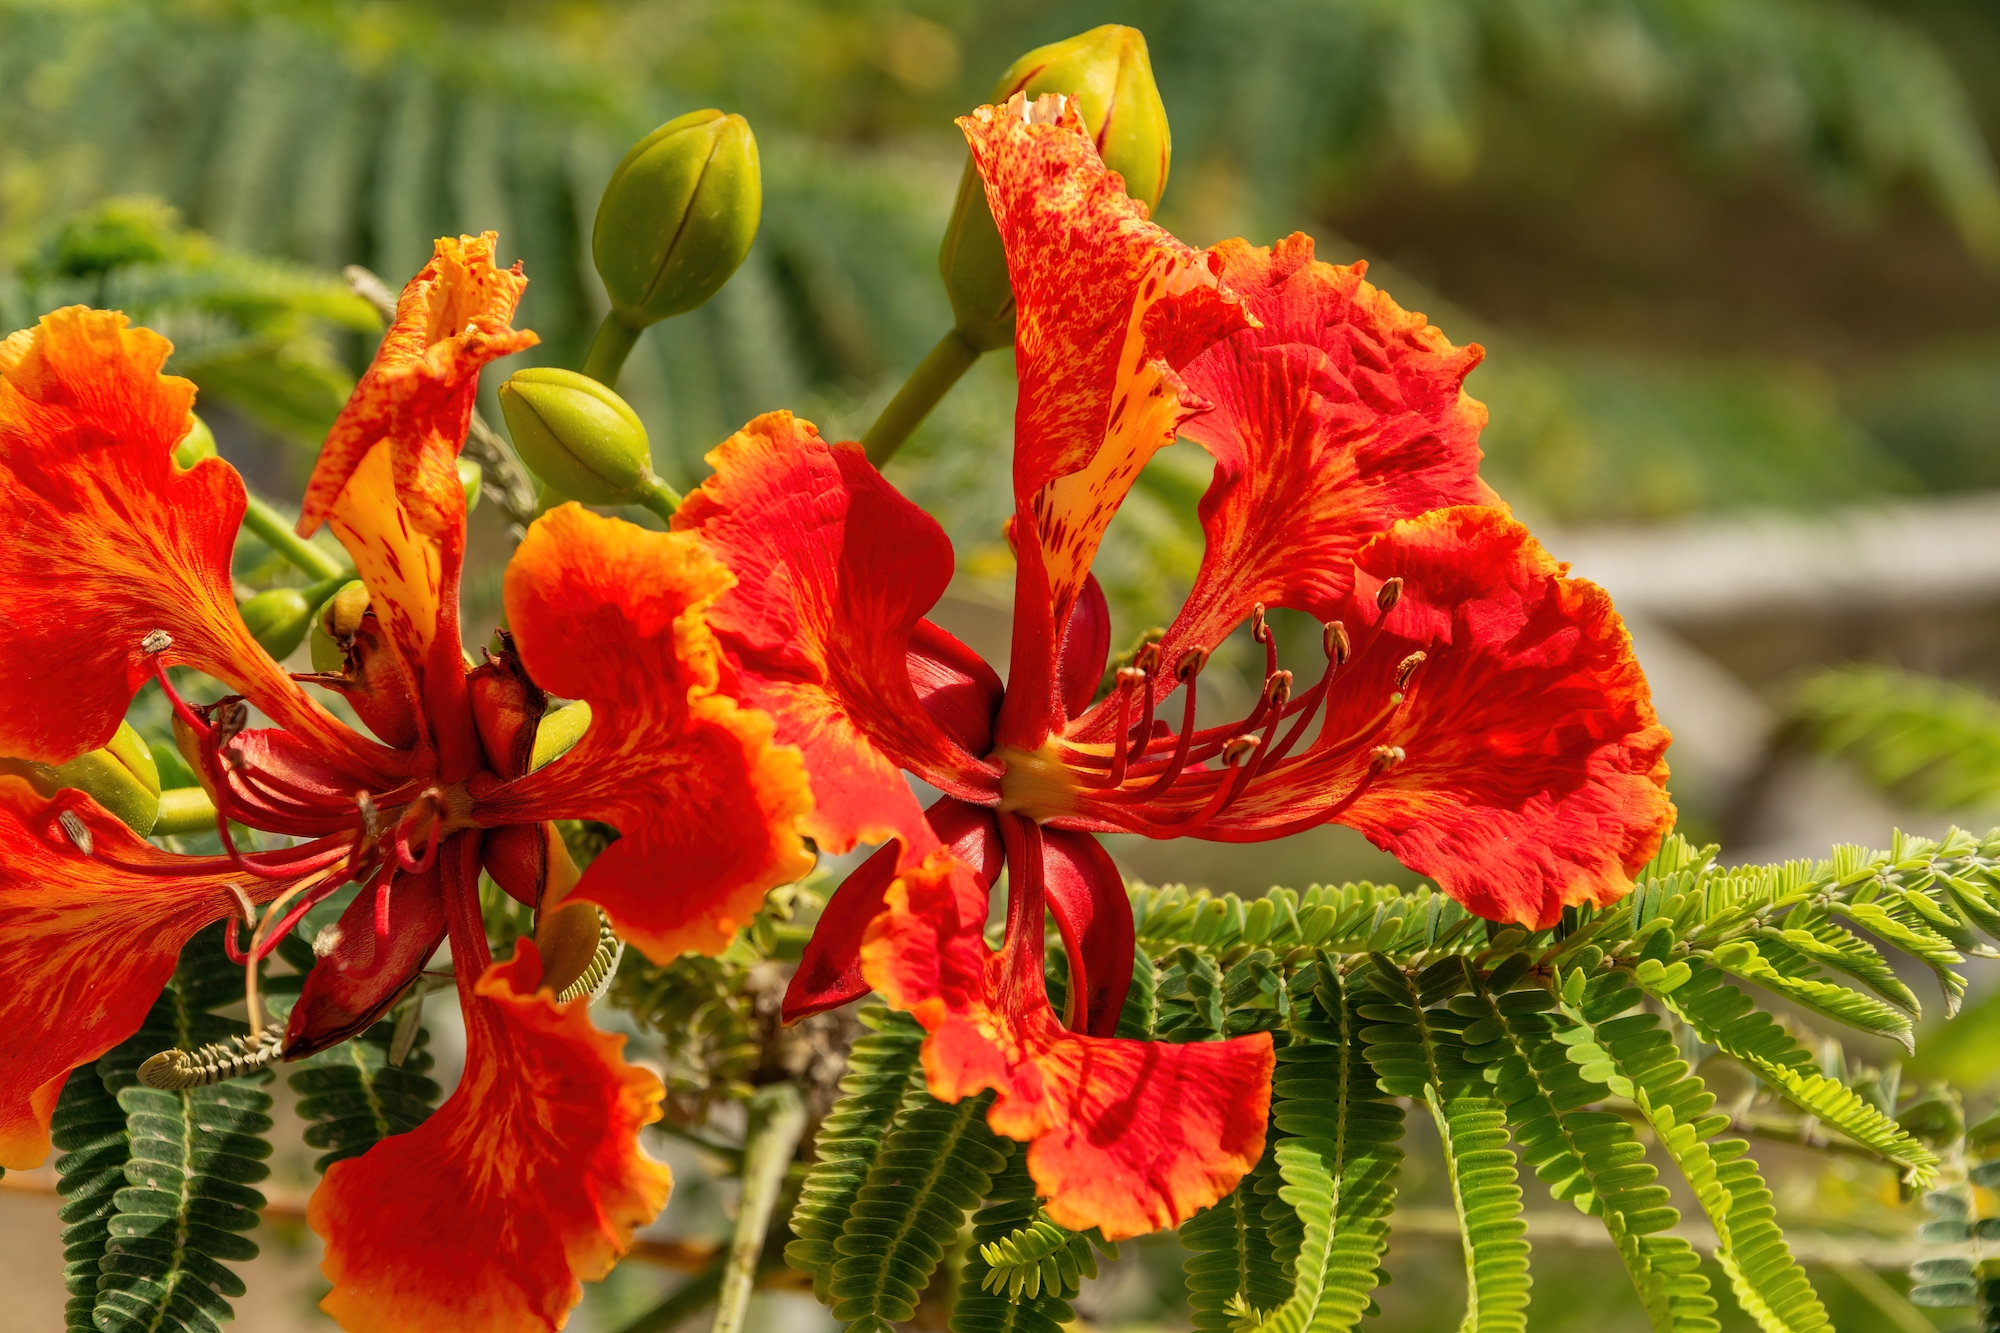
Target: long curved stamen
x=1188, y=672
x=1237, y=774
x=248, y=916
x=1260, y=632
x=1333, y=638
x=1130, y=680
x=1147, y=661
x=433, y=800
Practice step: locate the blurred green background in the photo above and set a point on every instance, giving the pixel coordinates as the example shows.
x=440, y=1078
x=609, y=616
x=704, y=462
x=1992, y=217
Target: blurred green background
x=1733, y=263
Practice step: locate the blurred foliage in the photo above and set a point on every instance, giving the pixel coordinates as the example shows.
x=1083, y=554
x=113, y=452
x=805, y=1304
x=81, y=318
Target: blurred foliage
x=1931, y=742
x=333, y=134
x=253, y=332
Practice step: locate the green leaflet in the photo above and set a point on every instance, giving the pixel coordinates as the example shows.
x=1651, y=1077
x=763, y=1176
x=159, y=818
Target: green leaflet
x=1768, y=1283
x=1590, y=1157
x=1010, y=1209
x=88, y=1129
x=1338, y=1162
x=880, y=1070
x=1725, y=1018
x=1798, y=983
x=194, y=1155
x=1232, y=1260
x=1417, y=1051
x=1039, y=1257
x=934, y=1165
x=354, y=1098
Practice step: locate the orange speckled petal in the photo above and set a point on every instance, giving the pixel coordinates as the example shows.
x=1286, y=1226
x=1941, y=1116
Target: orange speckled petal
x=1532, y=769
x=527, y=1181
x=709, y=809
x=833, y=572
x=106, y=540
x=1126, y=1136
x=386, y=478
x=86, y=943
x=1109, y=307
x=1340, y=415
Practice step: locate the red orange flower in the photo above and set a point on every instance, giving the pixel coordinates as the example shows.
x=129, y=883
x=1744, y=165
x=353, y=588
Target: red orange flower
x=1476, y=711
x=117, y=566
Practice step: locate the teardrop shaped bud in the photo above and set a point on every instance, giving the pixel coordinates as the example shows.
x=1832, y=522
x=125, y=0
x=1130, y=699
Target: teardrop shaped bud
x=278, y=619
x=1110, y=74
x=580, y=438
x=470, y=474
x=197, y=444
x=121, y=776
x=678, y=216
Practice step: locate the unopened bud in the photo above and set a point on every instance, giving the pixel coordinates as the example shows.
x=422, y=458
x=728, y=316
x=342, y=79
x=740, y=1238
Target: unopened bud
x=469, y=476
x=1109, y=73
x=678, y=216
x=335, y=625
x=278, y=619
x=122, y=777
x=197, y=444
x=579, y=437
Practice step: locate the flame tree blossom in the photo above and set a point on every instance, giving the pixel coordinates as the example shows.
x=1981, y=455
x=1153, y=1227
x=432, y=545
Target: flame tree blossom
x=117, y=566
x=1475, y=711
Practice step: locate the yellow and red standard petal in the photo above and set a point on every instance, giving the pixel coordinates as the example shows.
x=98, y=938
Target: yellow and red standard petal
x=709, y=809
x=387, y=479
x=1126, y=1136
x=87, y=939
x=529, y=1180
x=1523, y=767
x=833, y=574
x=1109, y=307
x=107, y=540
x=1340, y=415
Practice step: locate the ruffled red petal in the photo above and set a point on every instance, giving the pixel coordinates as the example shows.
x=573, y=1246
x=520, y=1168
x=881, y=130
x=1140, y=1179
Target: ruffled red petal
x=387, y=478
x=1338, y=417
x=829, y=972
x=527, y=1181
x=1127, y=1136
x=708, y=807
x=87, y=939
x=1523, y=768
x=108, y=540
x=1108, y=308
x=834, y=572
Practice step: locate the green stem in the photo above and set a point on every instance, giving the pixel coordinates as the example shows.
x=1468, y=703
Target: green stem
x=609, y=349
x=777, y=1118
x=928, y=383
x=661, y=498
x=275, y=531
x=690, y=1297
x=184, y=810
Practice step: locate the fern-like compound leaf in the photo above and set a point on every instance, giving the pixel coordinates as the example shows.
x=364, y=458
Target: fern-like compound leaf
x=985, y=1305
x=88, y=1129
x=935, y=1164
x=1592, y=1158
x=195, y=1154
x=1634, y=1056
x=880, y=1070
x=1726, y=1019
x=353, y=1097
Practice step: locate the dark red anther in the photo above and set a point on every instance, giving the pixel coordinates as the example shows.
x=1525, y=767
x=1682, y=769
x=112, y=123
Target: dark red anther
x=1336, y=643
x=1407, y=668
x=1385, y=757
x=1390, y=593
x=1260, y=632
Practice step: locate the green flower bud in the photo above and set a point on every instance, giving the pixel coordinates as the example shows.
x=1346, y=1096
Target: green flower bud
x=278, y=619
x=580, y=438
x=678, y=216
x=122, y=777
x=1109, y=73
x=338, y=617
x=469, y=476
x=197, y=444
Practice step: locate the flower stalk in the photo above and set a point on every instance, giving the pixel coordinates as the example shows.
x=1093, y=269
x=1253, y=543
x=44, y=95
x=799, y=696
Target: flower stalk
x=926, y=387
x=776, y=1120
